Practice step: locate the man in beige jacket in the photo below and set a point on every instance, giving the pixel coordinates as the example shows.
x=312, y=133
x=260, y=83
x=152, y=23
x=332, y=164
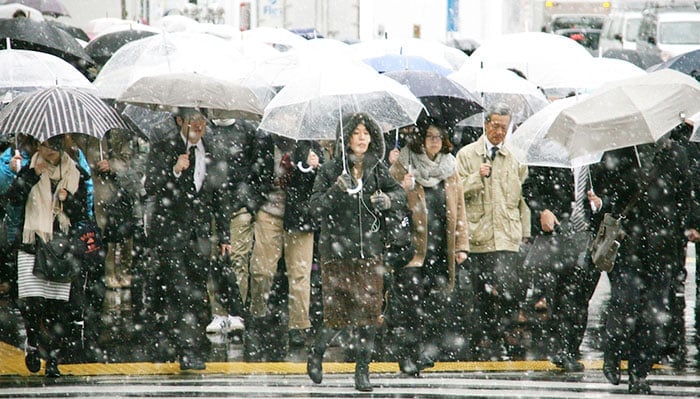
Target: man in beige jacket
x=499, y=221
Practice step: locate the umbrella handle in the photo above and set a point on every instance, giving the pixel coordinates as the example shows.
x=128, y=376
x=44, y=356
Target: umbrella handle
x=356, y=189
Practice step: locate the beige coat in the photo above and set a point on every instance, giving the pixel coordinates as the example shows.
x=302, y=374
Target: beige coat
x=496, y=211
x=457, y=230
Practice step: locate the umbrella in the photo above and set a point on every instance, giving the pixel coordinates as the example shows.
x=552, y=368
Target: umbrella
x=444, y=99
x=501, y=85
x=24, y=33
x=24, y=70
x=172, y=53
x=688, y=63
x=433, y=51
x=70, y=29
x=281, y=39
x=54, y=8
x=530, y=146
x=103, y=46
x=586, y=75
x=58, y=110
x=219, y=99
x=309, y=107
x=695, y=121
x=623, y=113
x=153, y=124
x=400, y=62
x=8, y=11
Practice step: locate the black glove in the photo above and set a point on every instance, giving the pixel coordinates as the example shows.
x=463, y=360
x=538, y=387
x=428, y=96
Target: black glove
x=380, y=201
x=344, y=182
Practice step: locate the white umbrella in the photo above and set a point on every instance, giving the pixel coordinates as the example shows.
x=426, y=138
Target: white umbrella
x=620, y=114
x=531, y=146
x=501, y=85
x=219, y=99
x=25, y=70
x=277, y=37
x=7, y=10
x=172, y=53
x=310, y=107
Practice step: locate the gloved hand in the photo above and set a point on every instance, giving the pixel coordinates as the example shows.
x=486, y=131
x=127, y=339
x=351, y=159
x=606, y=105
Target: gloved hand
x=380, y=201
x=344, y=182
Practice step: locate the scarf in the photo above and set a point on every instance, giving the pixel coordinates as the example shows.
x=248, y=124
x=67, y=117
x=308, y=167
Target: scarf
x=42, y=205
x=428, y=172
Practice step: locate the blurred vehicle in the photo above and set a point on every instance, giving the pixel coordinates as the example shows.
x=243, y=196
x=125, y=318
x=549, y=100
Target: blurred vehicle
x=587, y=37
x=669, y=31
x=620, y=31
x=551, y=15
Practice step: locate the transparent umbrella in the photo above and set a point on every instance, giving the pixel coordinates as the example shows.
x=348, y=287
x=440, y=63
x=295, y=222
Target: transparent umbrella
x=310, y=106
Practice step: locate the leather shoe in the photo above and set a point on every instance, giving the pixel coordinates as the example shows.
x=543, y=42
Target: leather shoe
x=191, y=362
x=409, y=367
x=32, y=361
x=611, y=370
x=568, y=363
x=51, y=370
x=314, y=367
x=639, y=385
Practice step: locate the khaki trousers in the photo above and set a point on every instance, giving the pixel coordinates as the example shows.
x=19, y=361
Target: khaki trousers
x=271, y=241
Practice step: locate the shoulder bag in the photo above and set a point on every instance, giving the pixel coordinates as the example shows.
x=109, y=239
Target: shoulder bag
x=55, y=260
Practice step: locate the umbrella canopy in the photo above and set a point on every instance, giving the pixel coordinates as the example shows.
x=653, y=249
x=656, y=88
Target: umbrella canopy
x=496, y=85
x=153, y=124
x=103, y=46
x=8, y=11
x=54, y=8
x=401, y=62
x=170, y=53
x=624, y=113
x=24, y=70
x=59, y=110
x=27, y=34
x=444, y=99
x=531, y=146
x=219, y=99
x=74, y=31
x=280, y=38
x=310, y=107
x=688, y=63
x=433, y=51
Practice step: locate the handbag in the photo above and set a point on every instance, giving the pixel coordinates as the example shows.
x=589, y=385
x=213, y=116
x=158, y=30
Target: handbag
x=558, y=252
x=399, y=248
x=55, y=260
x=606, y=244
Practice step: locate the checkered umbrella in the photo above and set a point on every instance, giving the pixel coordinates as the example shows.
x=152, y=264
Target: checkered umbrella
x=59, y=110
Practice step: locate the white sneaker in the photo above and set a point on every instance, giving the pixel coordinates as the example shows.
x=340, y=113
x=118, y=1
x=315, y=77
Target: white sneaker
x=218, y=325
x=235, y=323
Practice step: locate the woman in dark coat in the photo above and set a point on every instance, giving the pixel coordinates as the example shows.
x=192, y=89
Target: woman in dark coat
x=651, y=186
x=349, y=196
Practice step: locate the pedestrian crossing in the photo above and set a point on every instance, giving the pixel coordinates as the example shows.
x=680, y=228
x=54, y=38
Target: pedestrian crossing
x=390, y=385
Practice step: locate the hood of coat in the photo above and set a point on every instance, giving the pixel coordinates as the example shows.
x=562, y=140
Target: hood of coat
x=375, y=151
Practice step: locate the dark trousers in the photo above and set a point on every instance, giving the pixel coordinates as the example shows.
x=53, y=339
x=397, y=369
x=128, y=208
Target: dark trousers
x=182, y=302
x=496, y=311
x=46, y=322
x=639, y=287
x=567, y=298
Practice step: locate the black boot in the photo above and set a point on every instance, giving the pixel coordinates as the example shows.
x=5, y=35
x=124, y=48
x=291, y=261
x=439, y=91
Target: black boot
x=611, y=367
x=639, y=385
x=314, y=362
x=363, y=356
x=51, y=370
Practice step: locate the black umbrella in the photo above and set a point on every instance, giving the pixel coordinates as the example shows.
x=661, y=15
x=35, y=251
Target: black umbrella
x=24, y=33
x=102, y=47
x=688, y=63
x=444, y=99
x=70, y=29
x=58, y=110
x=54, y=8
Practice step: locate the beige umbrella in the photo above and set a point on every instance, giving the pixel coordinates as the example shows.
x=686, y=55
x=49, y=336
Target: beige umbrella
x=218, y=99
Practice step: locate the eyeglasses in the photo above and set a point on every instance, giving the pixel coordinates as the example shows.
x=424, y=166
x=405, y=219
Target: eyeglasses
x=497, y=126
x=433, y=138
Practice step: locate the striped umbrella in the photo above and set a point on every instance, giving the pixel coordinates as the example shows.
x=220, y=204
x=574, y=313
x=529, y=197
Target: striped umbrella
x=58, y=110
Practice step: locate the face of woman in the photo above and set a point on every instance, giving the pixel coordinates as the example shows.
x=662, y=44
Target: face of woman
x=50, y=155
x=433, y=142
x=359, y=140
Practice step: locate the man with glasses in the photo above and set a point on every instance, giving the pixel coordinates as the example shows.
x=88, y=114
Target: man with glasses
x=499, y=220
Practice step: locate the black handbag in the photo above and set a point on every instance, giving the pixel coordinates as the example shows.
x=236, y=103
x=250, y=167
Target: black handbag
x=55, y=260
x=399, y=248
x=558, y=252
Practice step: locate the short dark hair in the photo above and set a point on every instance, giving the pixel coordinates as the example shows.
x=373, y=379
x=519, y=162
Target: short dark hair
x=19, y=13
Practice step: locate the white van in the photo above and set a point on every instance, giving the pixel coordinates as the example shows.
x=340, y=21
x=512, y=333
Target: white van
x=620, y=31
x=668, y=33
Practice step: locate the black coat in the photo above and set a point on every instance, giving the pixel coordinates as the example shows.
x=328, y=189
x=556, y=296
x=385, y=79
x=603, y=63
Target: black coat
x=181, y=213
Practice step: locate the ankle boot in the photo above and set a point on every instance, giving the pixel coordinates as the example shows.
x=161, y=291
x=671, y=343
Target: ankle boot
x=314, y=362
x=363, y=356
x=611, y=367
x=51, y=370
x=639, y=385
